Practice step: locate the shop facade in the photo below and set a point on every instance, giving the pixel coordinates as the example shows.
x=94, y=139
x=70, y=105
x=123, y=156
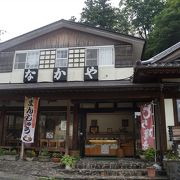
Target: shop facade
x=90, y=95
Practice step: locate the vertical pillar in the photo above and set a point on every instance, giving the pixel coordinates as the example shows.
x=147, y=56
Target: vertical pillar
x=2, y=115
x=75, y=127
x=162, y=123
x=67, y=128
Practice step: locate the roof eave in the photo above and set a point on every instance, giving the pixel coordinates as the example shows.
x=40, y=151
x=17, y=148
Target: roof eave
x=71, y=25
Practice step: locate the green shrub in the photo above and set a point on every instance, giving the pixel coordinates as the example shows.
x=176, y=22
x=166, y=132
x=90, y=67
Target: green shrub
x=170, y=154
x=57, y=155
x=149, y=154
x=44, y=152
x=68, y=160
x=30, y=153
x=2, y=152
x=10, y=152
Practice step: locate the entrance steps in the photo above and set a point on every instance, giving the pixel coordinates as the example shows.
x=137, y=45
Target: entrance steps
x=112, y=168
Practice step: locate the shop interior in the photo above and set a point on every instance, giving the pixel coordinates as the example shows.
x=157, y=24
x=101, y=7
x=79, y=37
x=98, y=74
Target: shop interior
x=110, y=134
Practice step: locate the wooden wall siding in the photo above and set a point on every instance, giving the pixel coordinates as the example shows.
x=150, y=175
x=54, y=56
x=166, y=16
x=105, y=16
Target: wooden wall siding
x=65, y=38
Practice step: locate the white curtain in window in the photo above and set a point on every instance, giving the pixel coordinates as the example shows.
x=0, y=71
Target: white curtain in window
x=106, y=56
x=32, y=60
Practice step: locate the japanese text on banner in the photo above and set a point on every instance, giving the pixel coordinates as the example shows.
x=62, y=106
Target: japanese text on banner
x=30, y=115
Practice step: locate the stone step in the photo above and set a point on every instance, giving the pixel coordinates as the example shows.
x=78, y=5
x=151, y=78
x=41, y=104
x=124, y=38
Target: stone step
x=106, y=172
x=78, y=177
x=112, y=165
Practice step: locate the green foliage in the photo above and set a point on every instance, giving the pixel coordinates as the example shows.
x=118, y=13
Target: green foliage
x=140, y=152
x=171, y=155
x=99, y=13
x=10, y=152
x=149, y=154
x=57, y=155
x=166, y=30
x=139, y=15
x=68, y=160
x=44, y=152
x=30, y=153
x=2, y=151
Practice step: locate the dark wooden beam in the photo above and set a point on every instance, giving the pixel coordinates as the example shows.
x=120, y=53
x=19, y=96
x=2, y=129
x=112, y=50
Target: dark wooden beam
x=163, y=122
x=75, y=127
x=67, y=128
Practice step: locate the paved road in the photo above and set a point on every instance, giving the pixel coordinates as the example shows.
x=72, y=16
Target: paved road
x=7, y=176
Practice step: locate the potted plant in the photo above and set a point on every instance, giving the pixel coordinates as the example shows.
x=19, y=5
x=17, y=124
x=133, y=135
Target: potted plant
x=151, y=171
x=44, y=156
x=56, y=157
x=10, y=155
x=2, y=154
x=140, y=153
x=30, y=155
x=150, y=154
x=171, y=163
x=68, y=161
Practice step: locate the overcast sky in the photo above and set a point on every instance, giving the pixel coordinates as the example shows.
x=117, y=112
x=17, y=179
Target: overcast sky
x=20, y=16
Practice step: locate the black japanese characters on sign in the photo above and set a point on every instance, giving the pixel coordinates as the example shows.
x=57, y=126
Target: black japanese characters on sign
x=60, y=74
x=30, y=75
x=91, y=73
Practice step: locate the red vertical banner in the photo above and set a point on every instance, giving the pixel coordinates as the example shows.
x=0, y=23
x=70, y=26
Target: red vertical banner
x=30, y=116
x=147, y=128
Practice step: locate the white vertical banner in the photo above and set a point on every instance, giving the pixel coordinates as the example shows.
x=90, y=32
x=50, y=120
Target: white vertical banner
x=30, y=115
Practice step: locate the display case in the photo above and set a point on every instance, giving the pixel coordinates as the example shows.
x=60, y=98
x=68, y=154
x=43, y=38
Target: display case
x=101, y=147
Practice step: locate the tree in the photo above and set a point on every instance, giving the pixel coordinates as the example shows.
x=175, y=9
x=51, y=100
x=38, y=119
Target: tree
x=139, y=15
x=166, y=30
x=99, y=13
x=73, y=19
x=2, y=32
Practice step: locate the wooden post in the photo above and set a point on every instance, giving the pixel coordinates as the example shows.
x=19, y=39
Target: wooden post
x=162, y=122
x=22, y=151
x=67, y=128
x=2, y=116
x=75, y=127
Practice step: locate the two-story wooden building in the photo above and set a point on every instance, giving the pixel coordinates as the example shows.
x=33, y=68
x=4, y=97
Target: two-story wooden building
x=89, y=94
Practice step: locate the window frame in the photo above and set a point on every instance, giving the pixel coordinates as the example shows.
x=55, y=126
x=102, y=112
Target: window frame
x=124, y=55
x=97, y=58
x=25, y=64
x=37, y=65
x=14, y=62
x=98, y=55
x=61, y=49
x=7, y=64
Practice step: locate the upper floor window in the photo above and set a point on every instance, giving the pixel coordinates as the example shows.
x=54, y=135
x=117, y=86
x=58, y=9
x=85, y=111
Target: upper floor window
x=20, y=60
x=76, y=57
x=106, y=56
x=29, y=60
x=123, y=55
x=47, y=59
x=64, y=57
x=32, y=61
x=6, y=61
x=61, y=58
x=91, y=57
x=102, y=56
